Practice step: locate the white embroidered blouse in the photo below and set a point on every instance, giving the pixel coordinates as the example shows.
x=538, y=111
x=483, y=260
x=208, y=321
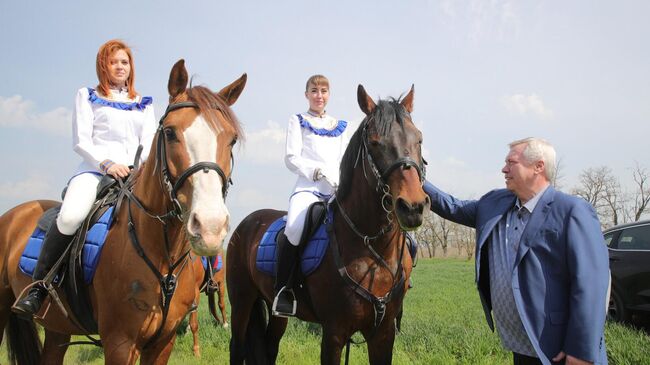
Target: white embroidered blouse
x=111, y=128
x=315, y=143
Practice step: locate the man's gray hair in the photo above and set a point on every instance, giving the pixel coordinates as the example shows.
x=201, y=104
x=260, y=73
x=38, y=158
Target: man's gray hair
x=538, y=149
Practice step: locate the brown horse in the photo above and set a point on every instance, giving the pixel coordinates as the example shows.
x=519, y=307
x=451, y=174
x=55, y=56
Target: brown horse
x=217, y=285
x=362, y=279
x=176, y=206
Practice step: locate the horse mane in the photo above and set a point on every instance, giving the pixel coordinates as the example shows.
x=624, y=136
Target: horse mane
x=209, y=103
x=380, y=121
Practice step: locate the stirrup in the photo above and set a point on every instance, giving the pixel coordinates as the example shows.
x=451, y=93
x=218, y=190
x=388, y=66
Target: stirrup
x=274, y=308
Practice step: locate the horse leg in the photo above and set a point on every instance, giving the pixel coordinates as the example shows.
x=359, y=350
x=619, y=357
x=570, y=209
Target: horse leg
x=6, y=299
x=244, y=321
x=54, y=348
x=159, y=354
x=222, y=304
x=380, y=345
x=274, y=333
x=331, y=346
x=194, y=326
x=120, y=350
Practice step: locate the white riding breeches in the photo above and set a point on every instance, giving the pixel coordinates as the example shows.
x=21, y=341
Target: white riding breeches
x=78, y=200
x=298, y=205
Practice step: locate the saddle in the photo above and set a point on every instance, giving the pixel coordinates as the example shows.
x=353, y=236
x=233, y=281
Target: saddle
x=74, y=270
x=312, y=247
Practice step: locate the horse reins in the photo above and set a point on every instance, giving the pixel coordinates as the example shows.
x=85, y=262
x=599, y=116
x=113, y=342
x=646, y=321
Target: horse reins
x=168, y=281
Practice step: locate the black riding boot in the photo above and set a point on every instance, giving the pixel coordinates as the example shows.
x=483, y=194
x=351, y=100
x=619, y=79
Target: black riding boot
x=54, y=245
x=284, y=304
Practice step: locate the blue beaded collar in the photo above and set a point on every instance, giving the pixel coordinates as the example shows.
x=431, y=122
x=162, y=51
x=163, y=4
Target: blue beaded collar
x=340, y=127
x=95, y=99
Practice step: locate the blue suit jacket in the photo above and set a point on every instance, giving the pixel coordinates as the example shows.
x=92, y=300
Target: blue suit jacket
x=561, y=273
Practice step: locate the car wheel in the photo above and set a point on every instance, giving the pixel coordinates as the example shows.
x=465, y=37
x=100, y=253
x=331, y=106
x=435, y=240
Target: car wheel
x=616, y=310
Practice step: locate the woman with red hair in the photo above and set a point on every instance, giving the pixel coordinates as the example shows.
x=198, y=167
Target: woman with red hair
x=109, y=122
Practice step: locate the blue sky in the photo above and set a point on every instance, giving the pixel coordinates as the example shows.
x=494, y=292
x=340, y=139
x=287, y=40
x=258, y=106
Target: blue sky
x=485, y=73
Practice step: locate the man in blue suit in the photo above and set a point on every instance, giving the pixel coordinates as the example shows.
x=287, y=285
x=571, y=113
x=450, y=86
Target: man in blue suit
x=542, y=266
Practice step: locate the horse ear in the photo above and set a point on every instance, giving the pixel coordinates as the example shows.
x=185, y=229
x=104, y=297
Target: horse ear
x=177, y=79
x=231, y=93
x=407, y=102
x=366, y=103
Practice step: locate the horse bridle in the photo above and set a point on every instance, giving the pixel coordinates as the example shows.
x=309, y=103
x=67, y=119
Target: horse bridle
x=168, y=281
x=204, y=166
x=382, y=187
x=400, y=163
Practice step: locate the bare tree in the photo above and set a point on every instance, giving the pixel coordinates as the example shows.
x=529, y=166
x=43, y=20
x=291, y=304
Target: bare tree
x=641, y=197
x=559, y=174
x=425, y=236
x=467, y=240
x=614, y=200
x=441, y=232
x=601, y=189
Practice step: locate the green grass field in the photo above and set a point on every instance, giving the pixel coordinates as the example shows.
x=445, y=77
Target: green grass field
x=443, y=324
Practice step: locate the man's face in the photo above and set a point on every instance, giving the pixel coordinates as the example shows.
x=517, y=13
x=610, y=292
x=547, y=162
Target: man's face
x=519, y=174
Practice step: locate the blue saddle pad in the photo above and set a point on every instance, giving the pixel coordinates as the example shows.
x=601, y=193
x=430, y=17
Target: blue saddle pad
x=217, y=264
x=90, y=253
x=312, y=255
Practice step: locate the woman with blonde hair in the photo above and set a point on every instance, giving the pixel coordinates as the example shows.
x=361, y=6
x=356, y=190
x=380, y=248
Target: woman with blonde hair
x=314, y=148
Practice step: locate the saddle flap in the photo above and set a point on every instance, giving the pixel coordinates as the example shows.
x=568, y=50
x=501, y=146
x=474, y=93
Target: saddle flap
x=48, y=217
x=105, y=185
x=313, y=220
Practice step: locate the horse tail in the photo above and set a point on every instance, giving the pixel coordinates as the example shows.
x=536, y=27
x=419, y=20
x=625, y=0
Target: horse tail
x=212, y=306
x=256, y=334
x=23, y=344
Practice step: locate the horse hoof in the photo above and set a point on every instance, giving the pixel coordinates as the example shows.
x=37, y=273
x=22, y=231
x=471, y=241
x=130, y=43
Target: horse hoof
x=225, y=325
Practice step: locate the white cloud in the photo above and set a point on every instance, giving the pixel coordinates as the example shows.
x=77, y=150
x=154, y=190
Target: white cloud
x=482, y=19
x=454, y=162
x=265, y=145
x=520, y=104
x=20, y=113
x=461, y=178
x=33, y=187
x=248, y=200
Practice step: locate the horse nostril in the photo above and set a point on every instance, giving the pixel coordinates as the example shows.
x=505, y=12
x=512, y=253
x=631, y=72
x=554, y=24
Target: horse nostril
x=195, y=225
x=419, y=208
x=403, y=205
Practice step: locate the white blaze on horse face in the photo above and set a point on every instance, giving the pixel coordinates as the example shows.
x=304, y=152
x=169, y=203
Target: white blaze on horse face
x=209, y=218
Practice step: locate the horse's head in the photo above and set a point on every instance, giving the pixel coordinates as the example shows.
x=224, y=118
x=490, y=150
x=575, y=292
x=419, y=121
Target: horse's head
x=194, y=147
x=390, y=149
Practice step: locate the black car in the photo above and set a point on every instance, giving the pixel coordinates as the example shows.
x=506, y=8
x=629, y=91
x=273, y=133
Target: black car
x=629, y=262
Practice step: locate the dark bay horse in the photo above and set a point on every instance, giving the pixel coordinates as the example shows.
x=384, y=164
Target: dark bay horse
x=176, y=206
x=363, y=277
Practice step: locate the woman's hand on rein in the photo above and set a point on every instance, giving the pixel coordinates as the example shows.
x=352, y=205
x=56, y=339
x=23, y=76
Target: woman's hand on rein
x=118, y=171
